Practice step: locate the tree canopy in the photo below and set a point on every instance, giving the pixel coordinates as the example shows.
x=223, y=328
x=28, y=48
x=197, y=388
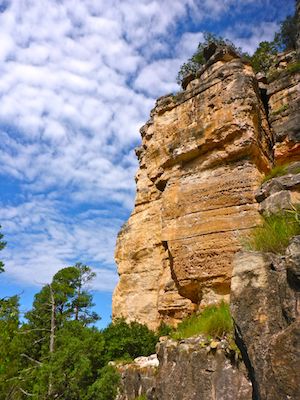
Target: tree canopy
x=2, y=245
x=285, y=39
x=57, y=352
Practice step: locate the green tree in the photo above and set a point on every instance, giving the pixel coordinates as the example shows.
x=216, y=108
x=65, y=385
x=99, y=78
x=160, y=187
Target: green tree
x=74, y=365
x=127, y=341
x=198, y=58
x=263, y=56
x=10, y=348
x=286, y=38
x=2, y=245
x=106, y=386
x=71, y=293
x=65, y=300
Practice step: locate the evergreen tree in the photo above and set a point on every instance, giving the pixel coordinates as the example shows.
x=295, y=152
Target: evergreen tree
x=10, y=348
x=2, y=245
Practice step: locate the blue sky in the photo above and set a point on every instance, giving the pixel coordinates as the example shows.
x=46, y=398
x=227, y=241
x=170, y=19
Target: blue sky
x=78, y=79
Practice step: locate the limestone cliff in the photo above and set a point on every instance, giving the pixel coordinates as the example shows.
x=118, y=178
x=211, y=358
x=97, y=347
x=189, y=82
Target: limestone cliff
x=202, y=157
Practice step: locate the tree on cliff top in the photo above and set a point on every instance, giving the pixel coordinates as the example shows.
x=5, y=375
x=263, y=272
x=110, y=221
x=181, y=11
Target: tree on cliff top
x=198, y=59
x=2, y=245
x=286, y=38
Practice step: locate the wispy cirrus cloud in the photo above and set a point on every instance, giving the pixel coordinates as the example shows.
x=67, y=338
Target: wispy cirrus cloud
x=78, y=79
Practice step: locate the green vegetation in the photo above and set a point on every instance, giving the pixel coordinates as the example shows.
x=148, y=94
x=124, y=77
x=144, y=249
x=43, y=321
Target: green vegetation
x=281, y=109
x=142, y=397
x=197, y=59
x=55, y=352
x=294, y=67
x=127, y=341
x=106, y=386
x=281, y=170
x=286, y=38
x=2, y=245
x=263, y=57
x=275, y=233
x=214, y=321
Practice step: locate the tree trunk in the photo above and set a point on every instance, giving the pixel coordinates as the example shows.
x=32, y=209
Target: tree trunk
x=52, y=336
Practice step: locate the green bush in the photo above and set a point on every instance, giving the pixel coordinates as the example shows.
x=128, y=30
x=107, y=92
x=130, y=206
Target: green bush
x=286, y=38
x=263, y=57
x=197, y=59
x=293, y=67
x=275, y=233
x=128, y=341
x=213, y=321
x=106, y=386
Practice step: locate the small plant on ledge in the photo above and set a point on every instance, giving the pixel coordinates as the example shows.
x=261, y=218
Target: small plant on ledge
x=213, y=321
x=275, y=232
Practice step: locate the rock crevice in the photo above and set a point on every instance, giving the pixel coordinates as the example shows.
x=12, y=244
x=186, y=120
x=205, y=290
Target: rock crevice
x=202, y=157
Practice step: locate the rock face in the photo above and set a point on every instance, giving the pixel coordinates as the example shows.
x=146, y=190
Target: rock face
x=138, y=378
x=284, y=104
x=187, y=371
x=265, y=304
x=281, y=193
x=202, y=157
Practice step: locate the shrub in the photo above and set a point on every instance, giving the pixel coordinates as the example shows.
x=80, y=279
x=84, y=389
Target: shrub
x=128, y=341
x=213, y=321
x=286, y=38
x=263, y=56
x=197, y=59
x=275, y=233
x=293, y=67
x=106, y=386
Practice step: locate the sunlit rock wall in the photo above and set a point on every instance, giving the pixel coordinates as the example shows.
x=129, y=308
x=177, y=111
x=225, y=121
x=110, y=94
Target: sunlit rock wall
x=201, y=160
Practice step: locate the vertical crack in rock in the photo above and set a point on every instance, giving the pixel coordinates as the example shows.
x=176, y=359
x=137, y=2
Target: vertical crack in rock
x=251, y=372
x=199, y=169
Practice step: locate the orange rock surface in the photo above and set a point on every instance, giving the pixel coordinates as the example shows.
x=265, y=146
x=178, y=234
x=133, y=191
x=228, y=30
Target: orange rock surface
x=202, y=157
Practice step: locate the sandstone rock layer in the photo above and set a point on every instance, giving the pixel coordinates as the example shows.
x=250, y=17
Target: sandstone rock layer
x=284, y=105
x=201, y=160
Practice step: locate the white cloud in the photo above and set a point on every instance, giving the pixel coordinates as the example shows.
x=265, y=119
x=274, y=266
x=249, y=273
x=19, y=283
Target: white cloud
x=256, y=34
x=49, y=239
x=78, y=79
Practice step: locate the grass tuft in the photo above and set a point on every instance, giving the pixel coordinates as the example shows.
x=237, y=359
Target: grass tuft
x=294, y=67
x=280, y=110
x=275, y=233
x=214, y=321
x=279, y=170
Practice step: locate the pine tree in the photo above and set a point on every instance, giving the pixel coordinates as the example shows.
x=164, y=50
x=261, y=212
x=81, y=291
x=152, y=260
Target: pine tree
x=2, y=245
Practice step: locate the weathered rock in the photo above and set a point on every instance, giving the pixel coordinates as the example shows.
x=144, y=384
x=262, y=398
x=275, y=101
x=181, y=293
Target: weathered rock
x=138, y=378
x=298, y=29
x=284, y=104
x=201, y=160
x=187, y=371
x=264, y=305
x=281, y=193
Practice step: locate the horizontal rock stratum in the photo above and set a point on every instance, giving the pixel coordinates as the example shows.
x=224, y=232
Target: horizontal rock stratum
x=202, y=157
